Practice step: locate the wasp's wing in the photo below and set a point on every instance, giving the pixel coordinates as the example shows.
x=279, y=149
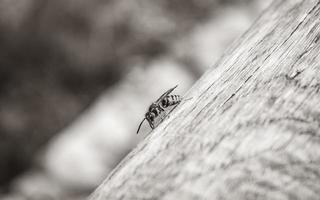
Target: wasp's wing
x=165, y=94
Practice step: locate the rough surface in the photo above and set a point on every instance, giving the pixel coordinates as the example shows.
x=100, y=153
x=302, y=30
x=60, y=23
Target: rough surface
x=251, y=130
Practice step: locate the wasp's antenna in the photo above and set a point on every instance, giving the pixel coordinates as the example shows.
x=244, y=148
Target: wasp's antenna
x=140, y=125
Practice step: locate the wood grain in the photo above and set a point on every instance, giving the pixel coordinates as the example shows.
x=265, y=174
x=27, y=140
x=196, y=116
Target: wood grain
x=252, y=129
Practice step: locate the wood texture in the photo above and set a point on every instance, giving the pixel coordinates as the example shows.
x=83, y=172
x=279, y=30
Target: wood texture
x=252, y=129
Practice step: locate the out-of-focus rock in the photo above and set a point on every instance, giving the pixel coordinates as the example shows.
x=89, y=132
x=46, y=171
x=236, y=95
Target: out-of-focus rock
x=14, y=12
x=37, y=186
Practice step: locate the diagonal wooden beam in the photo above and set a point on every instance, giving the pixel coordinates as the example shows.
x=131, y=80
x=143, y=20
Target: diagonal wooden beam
x=252, y=128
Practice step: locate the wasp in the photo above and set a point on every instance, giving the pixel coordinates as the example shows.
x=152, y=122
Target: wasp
x=157, y=107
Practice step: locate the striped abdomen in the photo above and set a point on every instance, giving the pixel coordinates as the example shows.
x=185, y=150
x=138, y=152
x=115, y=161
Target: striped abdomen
x=170, y=100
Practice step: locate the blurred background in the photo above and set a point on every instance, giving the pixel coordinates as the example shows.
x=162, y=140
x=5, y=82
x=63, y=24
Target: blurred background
x=77, y=76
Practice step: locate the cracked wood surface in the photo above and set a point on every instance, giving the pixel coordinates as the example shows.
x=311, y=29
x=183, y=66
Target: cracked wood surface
x=252, y=129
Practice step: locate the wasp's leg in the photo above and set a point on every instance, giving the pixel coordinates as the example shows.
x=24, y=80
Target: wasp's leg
x=151, y=125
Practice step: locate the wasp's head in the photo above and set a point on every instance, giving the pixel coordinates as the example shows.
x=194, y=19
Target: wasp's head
x=150, y=116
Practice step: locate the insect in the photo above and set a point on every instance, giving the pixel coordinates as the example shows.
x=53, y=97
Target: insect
x=159, y=105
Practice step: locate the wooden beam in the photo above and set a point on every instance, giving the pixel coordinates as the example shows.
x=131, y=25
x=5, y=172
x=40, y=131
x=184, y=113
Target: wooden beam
x=252, y=129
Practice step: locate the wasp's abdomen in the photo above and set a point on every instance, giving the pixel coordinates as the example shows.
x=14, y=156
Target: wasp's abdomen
x=170, y=100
